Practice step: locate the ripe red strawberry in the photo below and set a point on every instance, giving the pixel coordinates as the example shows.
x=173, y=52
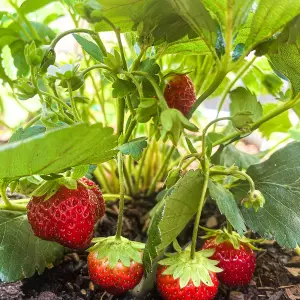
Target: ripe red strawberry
x=238, y=264
x=179, y=93
x=68, y=217
x=117, y=280
x=169, y=287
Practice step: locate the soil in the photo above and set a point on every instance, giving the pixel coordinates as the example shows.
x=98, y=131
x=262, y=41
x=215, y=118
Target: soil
x=277, y=274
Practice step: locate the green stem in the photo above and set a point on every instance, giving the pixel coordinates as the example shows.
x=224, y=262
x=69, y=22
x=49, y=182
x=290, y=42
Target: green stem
x=97, y=66
x=32, y=121
x=137, y=61
x=76, y=30
x=67, y=107
x=277, y=111
x=194, y=155
x=160, y=171
x=199, y=211
x=215, y=84
x=122, y=195
x=120, y=115
x=8, y=205
x=206, y=129
x=115, y=196
x=156, y=87
x=270, y=150
x=213, y=172
x=129, y=131
x=231, y=84
x=5, y=125
x=136, y=83
x=73, y=105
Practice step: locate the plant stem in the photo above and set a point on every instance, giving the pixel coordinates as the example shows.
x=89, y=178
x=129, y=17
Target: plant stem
x=122, y=195
x=120, y=115
x=140, y=168
x=213, y=172
x=161, y=170
x=129, y=131
x=97, y=66
x=67, y=107
x=198, y=216
x=231, y=84
x=115, y=196
x=32, y=121
x=194, y=155
x=277, y=111
x=73, y=105
x=8, y=205
x=206, y=129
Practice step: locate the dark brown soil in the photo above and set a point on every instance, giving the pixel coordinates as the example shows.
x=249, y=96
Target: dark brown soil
x=276, y=277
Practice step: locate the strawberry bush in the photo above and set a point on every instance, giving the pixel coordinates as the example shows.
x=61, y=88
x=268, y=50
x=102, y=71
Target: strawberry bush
x=126, y=120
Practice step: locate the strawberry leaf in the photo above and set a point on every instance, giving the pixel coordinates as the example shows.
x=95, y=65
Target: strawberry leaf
x=55, y=151
x=134, y=148
x=227, y=206
x=21, y=257
x=174, y=211
x=277, y=179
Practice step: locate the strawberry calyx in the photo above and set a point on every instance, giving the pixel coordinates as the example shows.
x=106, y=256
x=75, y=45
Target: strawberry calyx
x=117, y=250
x=180, y=265
x=223, y=235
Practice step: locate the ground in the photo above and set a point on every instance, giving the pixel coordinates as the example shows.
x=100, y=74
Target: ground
x=276, y=277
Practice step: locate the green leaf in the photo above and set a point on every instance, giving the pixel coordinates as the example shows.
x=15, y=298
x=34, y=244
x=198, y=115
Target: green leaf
x=243, y=100
x=229, y=12
x=91, y=48
x=270, y=16
x=134, y=147
x=284, y=54
x=230, y=155
x=8, y=36
x=22, y=253
x=122, y=88
x=196, y=15
x=17, y=52
x=227, y=206
x=22, y=134
x=29, y=6
x=180, y=206
x=174, y=212
x=277, y=179
x=56, y=151
x=185, y=46
x=281, y=123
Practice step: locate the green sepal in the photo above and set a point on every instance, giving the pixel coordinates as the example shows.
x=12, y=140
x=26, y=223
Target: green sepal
x=117, y=250
x=49, y=187
x=223, y=235
x=180, y=265
x=254, y=199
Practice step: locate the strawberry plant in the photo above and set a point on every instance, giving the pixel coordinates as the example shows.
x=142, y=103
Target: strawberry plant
x=127, y=120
